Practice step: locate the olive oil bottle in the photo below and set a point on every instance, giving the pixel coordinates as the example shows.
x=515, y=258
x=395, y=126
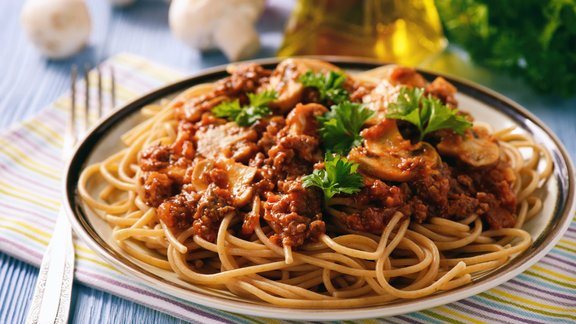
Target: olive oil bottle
x=400, y=31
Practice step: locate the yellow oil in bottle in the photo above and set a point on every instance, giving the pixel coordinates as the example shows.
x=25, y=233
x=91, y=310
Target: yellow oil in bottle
x=401, y=31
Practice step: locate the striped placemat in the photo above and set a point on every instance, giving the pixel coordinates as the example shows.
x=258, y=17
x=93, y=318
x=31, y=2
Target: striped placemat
x=30, y=175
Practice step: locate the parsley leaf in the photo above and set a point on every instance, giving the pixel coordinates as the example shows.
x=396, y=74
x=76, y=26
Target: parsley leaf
x=340, y=127
x=339, y=176
x=251, y=114
x=406, y=106
x=429, y=114
x=228, y=109
x=246, y=115
x=329, y=85
x=263, y=98
x=442, y=116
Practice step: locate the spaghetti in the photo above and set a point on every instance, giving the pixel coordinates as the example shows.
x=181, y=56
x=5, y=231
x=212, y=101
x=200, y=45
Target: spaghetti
x=223, y=205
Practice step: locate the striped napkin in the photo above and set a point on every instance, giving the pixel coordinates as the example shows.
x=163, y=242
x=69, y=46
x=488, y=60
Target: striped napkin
x=30, y=176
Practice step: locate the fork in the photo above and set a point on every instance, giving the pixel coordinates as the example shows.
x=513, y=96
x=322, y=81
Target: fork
x=53, y=291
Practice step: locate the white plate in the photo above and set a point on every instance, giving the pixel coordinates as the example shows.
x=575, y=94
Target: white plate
x=485, y=105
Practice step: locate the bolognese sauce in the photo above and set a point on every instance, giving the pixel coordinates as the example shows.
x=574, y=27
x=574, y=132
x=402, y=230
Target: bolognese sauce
x=286, y=146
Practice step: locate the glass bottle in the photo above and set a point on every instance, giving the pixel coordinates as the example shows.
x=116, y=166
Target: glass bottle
x=401, y=31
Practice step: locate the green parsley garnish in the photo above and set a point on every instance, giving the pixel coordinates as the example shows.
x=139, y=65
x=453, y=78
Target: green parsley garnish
x=532, y=39
x=340, y=127
x=329, y=85
x=339, y=176
x=426, y=112
x=246, y=115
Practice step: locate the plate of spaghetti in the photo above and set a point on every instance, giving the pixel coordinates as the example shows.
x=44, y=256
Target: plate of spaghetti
x=340, y=188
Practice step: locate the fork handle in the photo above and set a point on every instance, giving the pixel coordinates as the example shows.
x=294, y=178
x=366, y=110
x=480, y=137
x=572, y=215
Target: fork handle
x=51, y=300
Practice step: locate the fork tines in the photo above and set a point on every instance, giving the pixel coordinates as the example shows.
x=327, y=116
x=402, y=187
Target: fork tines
x=88, y=103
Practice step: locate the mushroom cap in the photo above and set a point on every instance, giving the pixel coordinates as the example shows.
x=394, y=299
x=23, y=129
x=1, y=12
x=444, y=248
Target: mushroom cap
x=285, y=80
x=192, y=21
x=387, y=156
x=195, y=22
x=477, y=147
x=58, y=28
x=237, y=38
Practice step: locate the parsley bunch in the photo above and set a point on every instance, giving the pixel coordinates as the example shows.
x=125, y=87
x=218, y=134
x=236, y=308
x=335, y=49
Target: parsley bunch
x=340, y=127
x=339, y=176
x=246, y=115
x=533, y=39
x=426, y=112
x=329, y=85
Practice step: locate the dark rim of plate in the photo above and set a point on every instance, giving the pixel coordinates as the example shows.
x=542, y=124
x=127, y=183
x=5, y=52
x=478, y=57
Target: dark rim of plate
x=563, y=168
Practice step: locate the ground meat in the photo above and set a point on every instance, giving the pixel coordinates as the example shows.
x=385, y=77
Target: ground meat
x=213, y=206
x=281, y=148
x=165, y=166
x=381, y=201
x=155, y=158
x=458, y=192
x=370, y=219
x=264, y=179
x=497, y=215
x=357, y=90
x=245, y=78
x=249, y=224
x=216, y=176
x=443, y=90
x=448, y=192
x=285, y=162
x=407, y=76
x=183, y=146
x=295, y=214
x=382, y=193
x=178, y=211
x=305, y=147
x=156, y=188
x=432, y=189
x=268, y=137
x=297, y=144
x=495, y=192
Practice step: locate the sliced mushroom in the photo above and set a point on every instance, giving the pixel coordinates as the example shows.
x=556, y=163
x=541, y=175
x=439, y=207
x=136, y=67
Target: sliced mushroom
x=476, y=148
x=240, y=179
x=216, y=142
x=201, y=167
x=302, y=120
x=190, y=104
x=386, y=155
x=375, y=75
x=284, y=81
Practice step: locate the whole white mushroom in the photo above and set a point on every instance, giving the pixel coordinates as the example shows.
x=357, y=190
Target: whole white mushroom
x=58, y=28
x=224, y=24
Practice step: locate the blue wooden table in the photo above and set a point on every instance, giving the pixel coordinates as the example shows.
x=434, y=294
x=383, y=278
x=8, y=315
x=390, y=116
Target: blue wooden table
x=28, y=83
